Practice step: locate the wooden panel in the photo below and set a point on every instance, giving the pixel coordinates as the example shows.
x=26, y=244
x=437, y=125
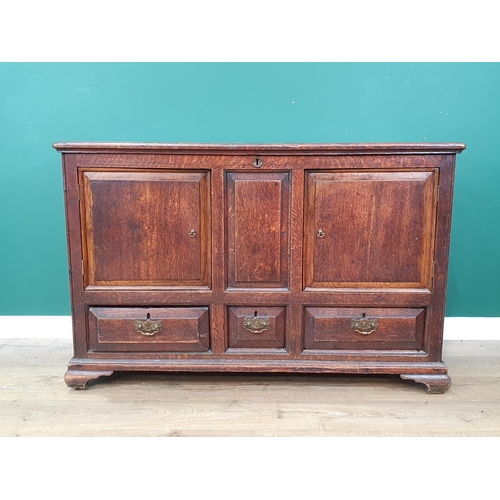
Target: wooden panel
x=257, y=229
x=119, y=329
x=241, y=335
x=383, y=251
x=147, y=229
x=332, y=328
x=370, y=229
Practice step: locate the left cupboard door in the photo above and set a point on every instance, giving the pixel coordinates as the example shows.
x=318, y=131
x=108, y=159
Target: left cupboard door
x=146, y=229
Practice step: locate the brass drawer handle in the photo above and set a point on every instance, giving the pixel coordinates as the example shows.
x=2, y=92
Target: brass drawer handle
x=256, y=324
x=321, y=233
x=192, y=233
x=148, y=327
x=363, y=325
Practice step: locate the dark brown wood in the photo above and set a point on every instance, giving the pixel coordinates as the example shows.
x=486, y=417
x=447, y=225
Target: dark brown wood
x=143, y=228
x=350, y=227
x=270, y=336
x=394, y=328
x=180, y=329
x=257, y=229
x=314, y=148
x=78, y=379
x=258, y=257
x=436, y=383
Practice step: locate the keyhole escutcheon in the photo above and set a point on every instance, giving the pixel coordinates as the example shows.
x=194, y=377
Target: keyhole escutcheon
x=192, y=233
x=321, y=233
x=258, y=162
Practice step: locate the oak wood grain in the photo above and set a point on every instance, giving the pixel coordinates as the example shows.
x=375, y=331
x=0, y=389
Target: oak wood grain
x=300, y=148
x=144, y=228
x=231, y=227
x=258, y=220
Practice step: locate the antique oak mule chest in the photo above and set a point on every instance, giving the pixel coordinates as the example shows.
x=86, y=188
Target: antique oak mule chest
x=307, y=258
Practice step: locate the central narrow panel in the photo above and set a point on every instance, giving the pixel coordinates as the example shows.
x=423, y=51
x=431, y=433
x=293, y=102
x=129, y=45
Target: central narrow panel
x=257, y=229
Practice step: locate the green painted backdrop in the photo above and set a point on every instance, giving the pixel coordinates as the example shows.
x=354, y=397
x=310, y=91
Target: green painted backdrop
x=247, y=102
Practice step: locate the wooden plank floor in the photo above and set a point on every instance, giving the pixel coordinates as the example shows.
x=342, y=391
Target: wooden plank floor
x=34, y=401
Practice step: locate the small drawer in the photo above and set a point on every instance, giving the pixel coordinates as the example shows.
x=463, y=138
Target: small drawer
x=360, y=329
x=256, y=327
x=153, y=329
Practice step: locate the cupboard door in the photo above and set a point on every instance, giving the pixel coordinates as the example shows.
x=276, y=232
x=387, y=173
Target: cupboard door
x=258, y=217
x=369, y=229
x=146, y=229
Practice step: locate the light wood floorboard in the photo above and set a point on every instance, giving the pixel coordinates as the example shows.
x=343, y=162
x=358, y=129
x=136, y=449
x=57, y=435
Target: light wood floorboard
x=34, y=400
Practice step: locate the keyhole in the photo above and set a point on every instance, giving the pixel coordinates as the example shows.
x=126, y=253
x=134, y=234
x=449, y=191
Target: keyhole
x=255, y=314
x=258, y=162
x=363, y=315
x=148, y=316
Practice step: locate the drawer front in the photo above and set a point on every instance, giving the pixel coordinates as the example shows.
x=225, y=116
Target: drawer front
x=256, y=327
x=334, y=328
x=167, y=329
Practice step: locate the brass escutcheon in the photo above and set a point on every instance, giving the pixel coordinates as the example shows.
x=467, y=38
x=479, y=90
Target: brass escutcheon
x=258, y=162
x=321, y=233
x=363, y=325
x=192, y=233
x=148, y=327
x=256, y=324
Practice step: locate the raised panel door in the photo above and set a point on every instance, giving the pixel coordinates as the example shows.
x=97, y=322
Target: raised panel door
x=370, y=229
x=146, y=228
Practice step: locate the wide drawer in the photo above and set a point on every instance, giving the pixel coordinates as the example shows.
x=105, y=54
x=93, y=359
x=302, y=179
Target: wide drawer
x=130, y=329
x=363, y=328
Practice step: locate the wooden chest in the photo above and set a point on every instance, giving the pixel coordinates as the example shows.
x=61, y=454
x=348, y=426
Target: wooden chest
x=312, y=258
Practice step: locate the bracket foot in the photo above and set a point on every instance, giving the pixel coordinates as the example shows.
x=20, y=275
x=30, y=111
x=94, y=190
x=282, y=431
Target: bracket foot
x=78, y=379
x=436, y=383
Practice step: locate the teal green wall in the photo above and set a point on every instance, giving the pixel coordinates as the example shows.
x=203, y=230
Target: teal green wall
x=207, y=102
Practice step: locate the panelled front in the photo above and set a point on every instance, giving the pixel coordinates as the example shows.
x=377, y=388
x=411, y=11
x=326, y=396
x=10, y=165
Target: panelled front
x=146, y=228
x=152, y=229
x=265, y=260
x=369, y=229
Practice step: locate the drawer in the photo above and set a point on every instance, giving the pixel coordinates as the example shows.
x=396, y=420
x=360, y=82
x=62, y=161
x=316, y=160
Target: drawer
x=256, y=327
x=363, y=328
x=139, y=329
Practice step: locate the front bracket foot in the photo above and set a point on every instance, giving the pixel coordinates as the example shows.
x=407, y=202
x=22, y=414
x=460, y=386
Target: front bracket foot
x=436, y=383
x=78, y=379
